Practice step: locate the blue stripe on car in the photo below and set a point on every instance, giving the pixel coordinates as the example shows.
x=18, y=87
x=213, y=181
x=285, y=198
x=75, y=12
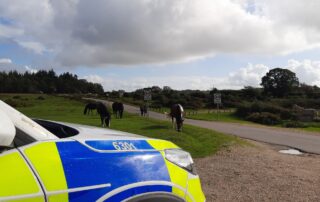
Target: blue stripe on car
x=85, y=167
x=110, y=145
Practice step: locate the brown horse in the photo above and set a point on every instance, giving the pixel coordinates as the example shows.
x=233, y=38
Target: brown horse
x=144, y=110
x=105, y=115
x=176, y=114
x=118, y=108
x=89, y=108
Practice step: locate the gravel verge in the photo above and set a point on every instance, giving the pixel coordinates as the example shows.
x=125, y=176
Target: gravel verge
x=259, y=173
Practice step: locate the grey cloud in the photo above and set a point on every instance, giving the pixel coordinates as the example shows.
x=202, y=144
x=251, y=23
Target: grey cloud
x=127, y=32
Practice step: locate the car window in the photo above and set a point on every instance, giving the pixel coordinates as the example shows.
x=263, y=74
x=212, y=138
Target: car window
x=22, y=138
x=59, y=130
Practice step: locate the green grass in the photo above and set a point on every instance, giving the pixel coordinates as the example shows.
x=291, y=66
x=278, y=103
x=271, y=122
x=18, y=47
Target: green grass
x=222, y=116
x=199, y=142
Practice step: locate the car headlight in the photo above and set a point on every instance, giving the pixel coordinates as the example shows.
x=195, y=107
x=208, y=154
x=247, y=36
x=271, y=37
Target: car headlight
x=181, y=158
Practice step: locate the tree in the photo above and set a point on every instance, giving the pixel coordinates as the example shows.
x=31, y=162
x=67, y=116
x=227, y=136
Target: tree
x=251, y=93
x=279, y=82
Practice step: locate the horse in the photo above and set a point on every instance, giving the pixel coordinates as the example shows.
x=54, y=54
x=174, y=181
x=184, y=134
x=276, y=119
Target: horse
x=144, y=110
x=176, y=114
x=105, y=115
x=89, y=108
x=117, y=108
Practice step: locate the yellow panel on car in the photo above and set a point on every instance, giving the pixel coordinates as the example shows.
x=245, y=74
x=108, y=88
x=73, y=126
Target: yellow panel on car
x=194, y=189
x=161, y=144
x=16, y=178
x=178, y=175
x=46, y=160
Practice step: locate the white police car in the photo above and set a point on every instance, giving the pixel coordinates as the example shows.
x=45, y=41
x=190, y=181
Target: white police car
x=49, y=161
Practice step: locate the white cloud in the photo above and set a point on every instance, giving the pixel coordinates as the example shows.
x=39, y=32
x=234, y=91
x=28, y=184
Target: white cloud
x=9, y=31
x=36, y=47
x=31, y=70
x=94, y=78
x=127, y=32
x=5, y=61
x=307, y=71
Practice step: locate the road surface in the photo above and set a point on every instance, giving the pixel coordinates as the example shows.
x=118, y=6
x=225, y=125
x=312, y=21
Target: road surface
x=304, y=141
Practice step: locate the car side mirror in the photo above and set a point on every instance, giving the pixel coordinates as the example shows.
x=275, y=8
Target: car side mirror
x=7, y=130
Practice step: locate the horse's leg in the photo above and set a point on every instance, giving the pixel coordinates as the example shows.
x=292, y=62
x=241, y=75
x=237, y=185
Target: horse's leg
x=102, y=121
x=109, y=122
x=172, y=122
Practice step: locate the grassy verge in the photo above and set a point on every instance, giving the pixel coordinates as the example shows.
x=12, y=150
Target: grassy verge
x=222, y=116
x=199, y=142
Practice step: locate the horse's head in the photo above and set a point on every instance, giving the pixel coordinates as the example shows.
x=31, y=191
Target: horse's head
x=108, y=121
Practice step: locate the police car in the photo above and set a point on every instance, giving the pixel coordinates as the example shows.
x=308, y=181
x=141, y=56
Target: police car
x=50, y=161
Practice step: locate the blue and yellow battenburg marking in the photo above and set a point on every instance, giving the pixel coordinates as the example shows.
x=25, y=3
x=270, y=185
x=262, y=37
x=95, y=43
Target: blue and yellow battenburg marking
x=71, y=165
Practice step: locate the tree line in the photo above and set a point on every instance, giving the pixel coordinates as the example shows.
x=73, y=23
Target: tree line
x=279, y=85
x=46, y=81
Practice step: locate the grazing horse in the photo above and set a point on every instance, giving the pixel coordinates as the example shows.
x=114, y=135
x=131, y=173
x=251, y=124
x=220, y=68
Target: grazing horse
x=176, y=114
x=105, y=115
x=89, y=108
x=144, y=110
x=117, y=108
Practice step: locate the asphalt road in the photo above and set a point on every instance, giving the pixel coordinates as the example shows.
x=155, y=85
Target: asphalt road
x=304, y=141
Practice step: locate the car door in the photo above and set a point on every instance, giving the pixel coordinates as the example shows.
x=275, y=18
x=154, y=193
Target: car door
x=17, y=180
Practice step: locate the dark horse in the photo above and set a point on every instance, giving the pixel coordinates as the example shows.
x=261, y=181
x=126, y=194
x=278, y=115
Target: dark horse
x=176, y=114
x=144, y=110
x=89, y=108
x=117, y=108
x=105, y=115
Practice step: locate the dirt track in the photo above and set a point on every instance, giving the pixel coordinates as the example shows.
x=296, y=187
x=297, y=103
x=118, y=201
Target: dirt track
x=259, y=173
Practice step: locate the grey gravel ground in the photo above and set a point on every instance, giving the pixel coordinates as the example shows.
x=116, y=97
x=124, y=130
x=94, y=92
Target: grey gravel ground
x=259, y=173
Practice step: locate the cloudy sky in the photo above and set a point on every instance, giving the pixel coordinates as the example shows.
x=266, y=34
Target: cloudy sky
x=185, y=44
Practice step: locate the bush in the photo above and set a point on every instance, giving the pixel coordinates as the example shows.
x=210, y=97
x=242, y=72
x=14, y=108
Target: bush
x=16, y=97
x=264, y=118
x=40, y=98
x=295, y=124
x=17, y=103
x=244, y=110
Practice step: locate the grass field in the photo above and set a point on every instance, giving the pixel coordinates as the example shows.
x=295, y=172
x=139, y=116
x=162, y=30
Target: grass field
x=221, y=116
x=199, y=142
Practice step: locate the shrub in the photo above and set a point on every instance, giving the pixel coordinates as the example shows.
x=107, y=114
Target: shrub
x=295, y=124
x=264, y=118
x=244, y=110
x=40, y=98
x=17, y=103
x=16, y=97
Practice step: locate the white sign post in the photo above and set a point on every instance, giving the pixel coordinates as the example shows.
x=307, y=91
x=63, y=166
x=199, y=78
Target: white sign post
x=147, y=98
x=147, y=95
x=217, y=101
x=121, y=92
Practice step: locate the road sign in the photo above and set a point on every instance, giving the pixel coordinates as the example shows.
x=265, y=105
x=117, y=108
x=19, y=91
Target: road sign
x=217, y=98
x=147, y=95
x=121, y=93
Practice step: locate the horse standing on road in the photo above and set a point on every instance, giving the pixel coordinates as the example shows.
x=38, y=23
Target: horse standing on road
x=105, y=115
x=118, y=108
x=144, y=110
x=176, y=114
x=89, y=108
